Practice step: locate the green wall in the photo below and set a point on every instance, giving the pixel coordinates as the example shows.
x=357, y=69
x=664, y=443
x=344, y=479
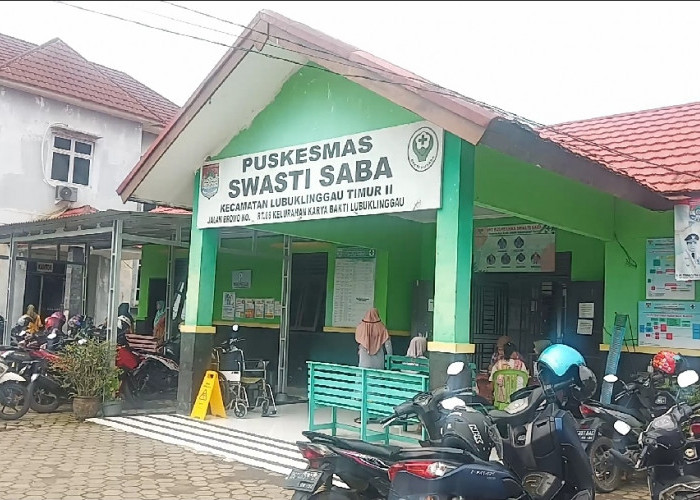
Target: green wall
x=625, y=284
x=154, y=264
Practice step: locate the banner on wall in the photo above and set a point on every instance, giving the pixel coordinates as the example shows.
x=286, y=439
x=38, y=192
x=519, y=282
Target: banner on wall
x=394, y=169
x=661, y=272
x=669, y=324
x=686, y=222
x=520, y=248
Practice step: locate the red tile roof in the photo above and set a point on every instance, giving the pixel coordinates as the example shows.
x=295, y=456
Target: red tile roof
x=170, y=210
x=57, y=68
x=659, y=148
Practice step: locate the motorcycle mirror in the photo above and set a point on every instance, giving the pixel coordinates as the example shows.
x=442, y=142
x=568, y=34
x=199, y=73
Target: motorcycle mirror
x=235, y=327
x=51, y=336
x=611, y=378
x=455, y=368
x=687, y=378
x=622, y=427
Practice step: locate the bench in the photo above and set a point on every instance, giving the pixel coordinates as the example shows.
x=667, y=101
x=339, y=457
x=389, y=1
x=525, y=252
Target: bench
x=371, y=393
x=420, y=365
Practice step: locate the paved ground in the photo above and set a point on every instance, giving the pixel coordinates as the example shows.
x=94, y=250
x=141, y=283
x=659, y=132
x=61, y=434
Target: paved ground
x=90, y=461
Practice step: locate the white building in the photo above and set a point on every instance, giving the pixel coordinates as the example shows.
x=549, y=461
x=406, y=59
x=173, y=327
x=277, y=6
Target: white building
x=70, y=131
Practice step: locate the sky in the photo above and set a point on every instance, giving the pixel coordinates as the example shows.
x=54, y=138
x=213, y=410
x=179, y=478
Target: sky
x=550, y=62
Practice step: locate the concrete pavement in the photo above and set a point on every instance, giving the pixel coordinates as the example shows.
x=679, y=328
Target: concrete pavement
x=88, y=461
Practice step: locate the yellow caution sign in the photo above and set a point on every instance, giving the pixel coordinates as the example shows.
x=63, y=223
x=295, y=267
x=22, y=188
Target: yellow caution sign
x=209, y=393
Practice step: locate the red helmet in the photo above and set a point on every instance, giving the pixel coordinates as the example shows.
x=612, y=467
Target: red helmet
x=666, y=362
x=56, y=320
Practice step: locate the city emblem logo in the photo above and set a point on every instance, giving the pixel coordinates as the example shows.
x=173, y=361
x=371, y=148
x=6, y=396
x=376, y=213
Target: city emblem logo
x=210, y=180
x=423, y=149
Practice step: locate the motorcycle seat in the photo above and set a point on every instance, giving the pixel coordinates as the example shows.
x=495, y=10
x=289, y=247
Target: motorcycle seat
x=375, y=450
x=622, y=409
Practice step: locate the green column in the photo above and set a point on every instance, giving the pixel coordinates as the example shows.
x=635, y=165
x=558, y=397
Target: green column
x=197, y=332
x=453, y=259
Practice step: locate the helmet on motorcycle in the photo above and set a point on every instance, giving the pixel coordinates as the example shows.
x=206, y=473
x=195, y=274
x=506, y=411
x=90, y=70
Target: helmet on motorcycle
x=24, y=321
x=560, y=363
x=53, y=322
x=467, y=429
x=667, y=362
x=586, y=385
x=76, y=322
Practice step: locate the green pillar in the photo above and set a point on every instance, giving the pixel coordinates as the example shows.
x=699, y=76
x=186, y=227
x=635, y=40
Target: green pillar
x=197, y=332
x=453, y=260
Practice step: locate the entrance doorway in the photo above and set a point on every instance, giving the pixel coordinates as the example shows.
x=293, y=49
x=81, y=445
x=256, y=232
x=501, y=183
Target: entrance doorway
x=44, y=287
x=307, y=309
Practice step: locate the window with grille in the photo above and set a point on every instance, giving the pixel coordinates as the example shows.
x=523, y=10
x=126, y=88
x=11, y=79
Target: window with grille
x=71, y=159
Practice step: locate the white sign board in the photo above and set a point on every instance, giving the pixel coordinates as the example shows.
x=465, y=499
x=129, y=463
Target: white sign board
x=395, y=169
x=353, y=288
x=241, y=279
x=44, y=267
x=661, y=272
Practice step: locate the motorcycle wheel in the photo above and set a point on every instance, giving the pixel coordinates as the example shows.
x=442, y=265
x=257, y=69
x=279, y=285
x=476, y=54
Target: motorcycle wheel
x=607, y=474
x=44, y=401
x=14, y=397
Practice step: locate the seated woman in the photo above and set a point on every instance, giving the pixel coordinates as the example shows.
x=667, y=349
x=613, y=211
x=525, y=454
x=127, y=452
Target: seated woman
x=501, y=386
x=498, y=353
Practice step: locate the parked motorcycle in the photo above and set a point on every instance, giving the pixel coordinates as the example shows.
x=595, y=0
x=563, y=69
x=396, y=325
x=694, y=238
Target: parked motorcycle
x=14, y=393
x=536, y=440
x=670, y=451
x=364, y=467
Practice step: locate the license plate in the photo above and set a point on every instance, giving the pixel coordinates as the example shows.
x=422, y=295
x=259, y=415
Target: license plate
x=303, y=480
x=587, y=435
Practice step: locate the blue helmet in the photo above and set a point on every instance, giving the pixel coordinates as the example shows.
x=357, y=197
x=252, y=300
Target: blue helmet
x=560, y=358
x=560, y=362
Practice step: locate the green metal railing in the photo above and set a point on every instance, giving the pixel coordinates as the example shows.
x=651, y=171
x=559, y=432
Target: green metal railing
x=371, y=393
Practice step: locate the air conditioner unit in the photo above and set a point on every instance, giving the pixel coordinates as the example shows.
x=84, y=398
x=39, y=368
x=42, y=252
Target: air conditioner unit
x=66, y=193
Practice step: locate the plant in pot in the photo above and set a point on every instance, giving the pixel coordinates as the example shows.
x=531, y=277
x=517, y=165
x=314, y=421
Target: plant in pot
x=111, y=402
x=87, y=368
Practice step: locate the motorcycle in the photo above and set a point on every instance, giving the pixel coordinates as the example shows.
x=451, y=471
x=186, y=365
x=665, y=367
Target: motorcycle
x=538, y=446
x=637, y=404
x=144, y=373
x=14, y=393
x=670, y=449
x=364, y=467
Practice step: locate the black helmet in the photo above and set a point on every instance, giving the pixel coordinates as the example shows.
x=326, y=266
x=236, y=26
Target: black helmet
x=467, y=429
x=585, y=385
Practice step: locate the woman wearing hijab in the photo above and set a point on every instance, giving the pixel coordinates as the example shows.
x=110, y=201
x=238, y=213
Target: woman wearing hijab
x=417, y=347
x=159, y=322
x=35, y=325
x=373, y=341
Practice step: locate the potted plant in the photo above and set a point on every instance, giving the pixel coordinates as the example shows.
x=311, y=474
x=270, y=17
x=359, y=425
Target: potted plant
x=111, y=402
x=87, y=368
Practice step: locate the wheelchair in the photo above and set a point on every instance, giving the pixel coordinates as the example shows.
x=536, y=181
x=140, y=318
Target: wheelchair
x=242, y=381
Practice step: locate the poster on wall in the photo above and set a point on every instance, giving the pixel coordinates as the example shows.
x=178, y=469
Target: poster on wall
x=515, y=249
x=228, y=306
x=394, y=169
x=353, y=285
x=240, y=308
x=661, y=272
x=669, y=324
x=269, y=308
x=686, y=223
x=249, y=311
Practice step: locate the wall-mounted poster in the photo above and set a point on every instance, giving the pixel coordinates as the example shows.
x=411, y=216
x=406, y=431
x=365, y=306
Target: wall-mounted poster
x=661, y=272
x=514, y=249
x=228, y=306
x=669, y=324
x=353, y=288
x=686, y=222
x=241, y=279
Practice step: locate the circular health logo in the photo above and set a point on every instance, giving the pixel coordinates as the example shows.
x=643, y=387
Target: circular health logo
x=423, y=149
